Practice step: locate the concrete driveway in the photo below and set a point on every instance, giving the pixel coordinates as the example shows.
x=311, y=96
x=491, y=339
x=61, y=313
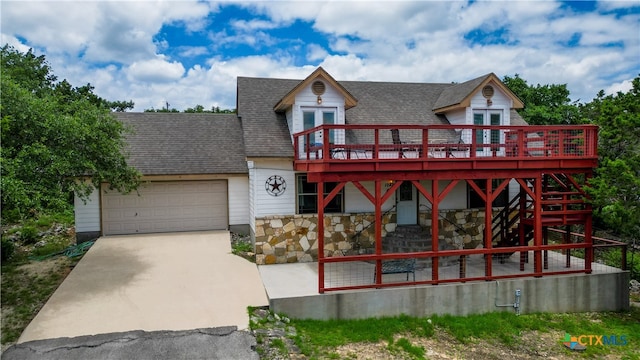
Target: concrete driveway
x=176, y=281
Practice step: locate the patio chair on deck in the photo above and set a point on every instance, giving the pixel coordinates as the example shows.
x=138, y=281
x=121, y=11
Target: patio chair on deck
x=395, y=137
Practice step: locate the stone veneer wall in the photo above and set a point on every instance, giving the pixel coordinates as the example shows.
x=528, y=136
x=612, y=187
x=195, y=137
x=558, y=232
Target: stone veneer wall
x=468, y=231
x=294, y=238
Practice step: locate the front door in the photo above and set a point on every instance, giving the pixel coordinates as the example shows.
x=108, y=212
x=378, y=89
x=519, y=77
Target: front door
x=487, y=137
x=313, y=117
x=407, y=204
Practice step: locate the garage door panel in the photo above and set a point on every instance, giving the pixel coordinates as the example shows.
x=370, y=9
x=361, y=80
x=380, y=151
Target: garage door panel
x=167, y=206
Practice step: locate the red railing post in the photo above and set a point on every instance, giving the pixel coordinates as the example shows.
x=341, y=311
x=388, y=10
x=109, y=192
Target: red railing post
x=473, y=142
x=425, y=143
x=376, y=144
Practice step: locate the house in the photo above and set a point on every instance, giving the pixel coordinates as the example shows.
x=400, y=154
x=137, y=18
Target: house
x=367, y=157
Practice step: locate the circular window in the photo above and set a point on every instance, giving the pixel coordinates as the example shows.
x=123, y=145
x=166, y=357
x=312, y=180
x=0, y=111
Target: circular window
x=318, y=87
x=487, y=91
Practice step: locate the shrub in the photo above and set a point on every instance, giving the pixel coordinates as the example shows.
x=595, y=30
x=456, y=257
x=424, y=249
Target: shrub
x=28, y=234
x=7, y=248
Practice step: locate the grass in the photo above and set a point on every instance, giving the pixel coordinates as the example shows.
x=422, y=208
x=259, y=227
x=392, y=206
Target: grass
x=24, y=293
x=241, y=247
x=403, y=344
x=317, y=339
x=26, y=285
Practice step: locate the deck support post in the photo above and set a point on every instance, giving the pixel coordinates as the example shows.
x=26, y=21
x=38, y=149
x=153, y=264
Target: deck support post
x=567, y=240
x=524, y=255
x=537, y=226
x=320, y=192
x=545, y=241
x=588, y=239
x=434, y=229
x=378, y=225
x=488, y=225
x=588, y=229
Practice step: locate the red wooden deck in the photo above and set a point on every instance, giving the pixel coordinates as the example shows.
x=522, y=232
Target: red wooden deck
x=444, y=151
x=532, y=155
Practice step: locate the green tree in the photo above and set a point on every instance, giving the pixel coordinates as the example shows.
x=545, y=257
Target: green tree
x=196, y=109
x=53, y=135
x=543, y=104
x=615, y=188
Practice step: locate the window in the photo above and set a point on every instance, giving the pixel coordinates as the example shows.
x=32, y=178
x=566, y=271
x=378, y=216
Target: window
x=309, y=122
x=405, y=191
x=487, y=117
x=308, y=197
x=312, y=117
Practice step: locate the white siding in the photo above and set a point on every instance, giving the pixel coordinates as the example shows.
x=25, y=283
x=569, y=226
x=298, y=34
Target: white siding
x=457, y=117
x=252, y=195
x=289, y=116
x=456, y=199
x=87, y=214
x=331, y=96
x=265, y=204
x=514, y=189
x=500, y=101
x=238, y=200
x=306, y=98
x=355, y=201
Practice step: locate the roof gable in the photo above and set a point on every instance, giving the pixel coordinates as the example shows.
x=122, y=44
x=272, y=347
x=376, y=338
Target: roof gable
x=289, y=98
x=459, y=95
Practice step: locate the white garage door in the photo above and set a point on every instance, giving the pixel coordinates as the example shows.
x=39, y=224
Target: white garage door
x=165, y=207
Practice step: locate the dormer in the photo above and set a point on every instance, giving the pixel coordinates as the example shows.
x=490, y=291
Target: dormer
x=483, y=101
x=318, y=99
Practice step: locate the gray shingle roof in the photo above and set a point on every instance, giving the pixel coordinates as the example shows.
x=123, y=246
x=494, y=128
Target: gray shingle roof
x=454, y=94
x=383, y=103
x=266, y=133
x=185, y=143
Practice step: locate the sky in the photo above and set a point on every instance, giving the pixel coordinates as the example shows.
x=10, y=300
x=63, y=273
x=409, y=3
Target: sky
x=188, y=53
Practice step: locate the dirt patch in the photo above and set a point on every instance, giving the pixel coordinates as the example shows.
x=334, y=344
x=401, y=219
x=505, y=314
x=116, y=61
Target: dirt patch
x=39, y=268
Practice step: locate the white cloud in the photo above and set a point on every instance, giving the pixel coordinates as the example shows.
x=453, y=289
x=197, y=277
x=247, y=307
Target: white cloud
x=116, y=49
x=623, y=86
x=252, y=25
x=155, y=70
x=316, y=52
x=615, y=5
x=101, y=31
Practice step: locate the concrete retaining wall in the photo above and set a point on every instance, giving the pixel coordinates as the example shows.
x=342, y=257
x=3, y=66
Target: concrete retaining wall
x=555, y=294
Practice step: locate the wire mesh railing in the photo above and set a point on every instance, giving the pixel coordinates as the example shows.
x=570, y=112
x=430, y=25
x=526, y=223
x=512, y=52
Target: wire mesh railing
x=556, y=257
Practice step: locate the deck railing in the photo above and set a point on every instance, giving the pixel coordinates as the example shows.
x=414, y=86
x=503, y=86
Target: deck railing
x=340, y=143
x=466, y=265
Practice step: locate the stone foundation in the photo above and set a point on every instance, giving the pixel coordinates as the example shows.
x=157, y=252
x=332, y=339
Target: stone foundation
x=461, y=229
x=287, y=239
x=294, y=238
